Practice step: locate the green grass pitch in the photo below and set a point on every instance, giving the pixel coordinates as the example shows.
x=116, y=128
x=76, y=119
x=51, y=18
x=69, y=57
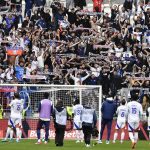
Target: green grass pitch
x=71, y=145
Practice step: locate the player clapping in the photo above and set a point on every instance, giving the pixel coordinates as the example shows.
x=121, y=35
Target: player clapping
x=15, y=118
x=135, y=112
x=77, y=112
x=121, y=121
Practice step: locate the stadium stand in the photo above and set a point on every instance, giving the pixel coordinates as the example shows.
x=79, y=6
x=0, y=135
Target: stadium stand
x=48, y=43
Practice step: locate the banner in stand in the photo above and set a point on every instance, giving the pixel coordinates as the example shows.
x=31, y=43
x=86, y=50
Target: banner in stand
x=14, y=51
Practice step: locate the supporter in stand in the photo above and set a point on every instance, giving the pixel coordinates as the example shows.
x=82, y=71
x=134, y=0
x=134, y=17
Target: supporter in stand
x=111, y=50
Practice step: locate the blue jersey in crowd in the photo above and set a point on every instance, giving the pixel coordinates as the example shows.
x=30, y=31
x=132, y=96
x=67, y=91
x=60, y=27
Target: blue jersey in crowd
x=29, y=4
x=41, y=23
x=19, y=72
x=9, y=21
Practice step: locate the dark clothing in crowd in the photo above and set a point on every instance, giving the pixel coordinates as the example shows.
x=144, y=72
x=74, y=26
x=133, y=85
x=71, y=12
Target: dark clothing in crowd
x=28, y=7
x=128, y=4
x=79, y=3
x=39, y=3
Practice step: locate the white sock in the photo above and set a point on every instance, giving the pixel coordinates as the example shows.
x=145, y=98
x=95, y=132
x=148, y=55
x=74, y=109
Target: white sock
x=18, y=133
x=131, y=137
x=115, y=136
x=42, y=134
x=136, y=136
x=7, y=133
x=11, y=133
x=122, y=136
x=77, y=135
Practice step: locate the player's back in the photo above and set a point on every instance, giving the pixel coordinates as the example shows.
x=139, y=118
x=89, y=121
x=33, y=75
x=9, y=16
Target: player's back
x=77, y=111
x=148, y=118
x=148, y=110
x=16, y=108
x=148, y=113
x=134, y=111
x=122, y=113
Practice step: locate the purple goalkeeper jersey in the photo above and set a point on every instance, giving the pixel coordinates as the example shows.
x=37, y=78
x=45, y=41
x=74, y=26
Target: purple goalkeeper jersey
x=45, y=109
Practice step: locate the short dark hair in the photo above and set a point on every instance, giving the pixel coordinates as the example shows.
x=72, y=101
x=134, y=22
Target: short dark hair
x=46, y=95
x=110, y=94
x=123, y=102
x=134, y=97
x=76, y=101
x=59, y=103
x=16, y=95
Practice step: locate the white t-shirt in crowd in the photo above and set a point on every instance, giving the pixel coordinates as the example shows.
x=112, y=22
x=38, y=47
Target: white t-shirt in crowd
x=35, y=49
x=34, y=65
x=28, y=70
x=118, y=52
x=95, y=71
x=40, y=60
x=78, y=81
x=9, y=73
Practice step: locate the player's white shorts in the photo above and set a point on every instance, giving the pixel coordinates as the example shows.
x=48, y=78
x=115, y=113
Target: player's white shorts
x=132, y=126
x=77, y=125
x=14, y=121
x=120, y=124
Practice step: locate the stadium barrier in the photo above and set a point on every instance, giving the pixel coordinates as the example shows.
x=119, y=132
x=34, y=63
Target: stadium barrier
x=29, y=130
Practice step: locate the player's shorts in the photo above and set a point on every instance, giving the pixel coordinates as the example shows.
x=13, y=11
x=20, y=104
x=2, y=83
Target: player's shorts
x=120, y=124
x=14, y=121
x=133, y=126
x=77, y=125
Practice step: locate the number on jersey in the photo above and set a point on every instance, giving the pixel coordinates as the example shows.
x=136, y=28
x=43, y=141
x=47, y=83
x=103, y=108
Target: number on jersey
x=122, y=114
x=134, y=111
x=18, y=107
x=78, y=112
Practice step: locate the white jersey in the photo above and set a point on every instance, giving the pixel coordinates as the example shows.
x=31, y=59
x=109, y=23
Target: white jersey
x=148, y=119
x=22, y=101
x=77, y=111
x=16, y=108
x=135, y=111
x=122, y=113
x=148, y=111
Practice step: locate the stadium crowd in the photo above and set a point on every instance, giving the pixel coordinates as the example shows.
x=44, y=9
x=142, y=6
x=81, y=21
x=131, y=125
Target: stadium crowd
x=70, y=45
